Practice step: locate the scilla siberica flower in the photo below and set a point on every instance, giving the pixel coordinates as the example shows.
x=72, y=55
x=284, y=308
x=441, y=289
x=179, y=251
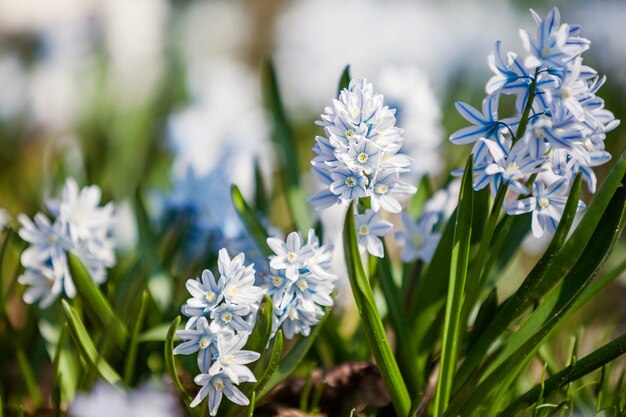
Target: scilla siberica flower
x=80, y=226
x=361, y=153
x=299, y=300
x=565, y=129
x=230, y=303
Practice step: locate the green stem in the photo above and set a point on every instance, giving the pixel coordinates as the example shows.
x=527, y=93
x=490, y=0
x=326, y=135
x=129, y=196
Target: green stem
x=523, y=123
x=371, y=321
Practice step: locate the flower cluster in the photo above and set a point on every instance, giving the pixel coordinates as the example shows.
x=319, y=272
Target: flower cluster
x=360, y=156
x=221, y=317
x=299, y=282
x=80, y=226
x=558, y=131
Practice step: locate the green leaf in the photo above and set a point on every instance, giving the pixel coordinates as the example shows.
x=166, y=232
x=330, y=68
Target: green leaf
x=96, y=302
x=424, y=192
x=453, y=326
x=261, y=197
x=251, y=221
x=157, y=333
x=87, y=349
x=170, y=364
x=555, y=263
x=293, y=357
x=393, y=299
x=288, y=155
x=260, y=335
x=344, y=80
x=370, y=319
x=268, y=364
x=554, y=307
x=252, y=404
x=582, y=367
x=133, y=343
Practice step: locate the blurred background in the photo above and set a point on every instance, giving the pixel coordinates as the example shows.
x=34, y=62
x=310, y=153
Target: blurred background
x=166, y=96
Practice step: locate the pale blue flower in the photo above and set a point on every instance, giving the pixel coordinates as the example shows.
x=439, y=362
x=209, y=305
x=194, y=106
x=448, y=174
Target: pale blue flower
x=298, y=319
x=230, y=359
x=555, y=45
x=362, y=144
x=289, y=255
x=202, y=339
x=348, y=185
x=206, y=294
x=546, y=204
x=238, y=280
x=485, y=124
x=370, y=228
x=384, y=191
x=81, y=227
x=232, y=316
x=493, y=166
x=418, y=237
x=213, y=387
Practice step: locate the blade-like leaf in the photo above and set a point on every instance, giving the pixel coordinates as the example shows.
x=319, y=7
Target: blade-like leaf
x=582, y=367
x=251, y=221
x=96, y=302
x=257, y=341
x=394, y=302
x=554, y=307
x=170, y=364
x=293, y=357
x=370, y=319
x=344, y=80
x=284, y=138
x=86, y=347
x=133, y=343
x=452, y=328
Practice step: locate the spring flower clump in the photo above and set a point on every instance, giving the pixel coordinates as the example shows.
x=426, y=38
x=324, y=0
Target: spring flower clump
x=300, y=282
x=222, y=311
x=557, y=132
x=79, y=225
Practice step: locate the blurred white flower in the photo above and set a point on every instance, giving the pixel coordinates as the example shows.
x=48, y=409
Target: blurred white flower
x=418, y=111
x=105, y=401
x=13, y=86
x=134, y=34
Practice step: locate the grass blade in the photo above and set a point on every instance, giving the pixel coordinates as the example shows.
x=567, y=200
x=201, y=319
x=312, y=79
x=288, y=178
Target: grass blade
x=582, y=367
x=520, y=300
x=96, y=302
x=133, y=343
x=284, y=138
x=170, y=365
x=453, y=326
x=86, y=347
x=263, y=326
x=251, y=221
x=554, y=307
x=370, y=319
x=394, y=301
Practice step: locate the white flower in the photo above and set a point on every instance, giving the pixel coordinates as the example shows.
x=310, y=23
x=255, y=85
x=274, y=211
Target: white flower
x=290, y=255
x=361, y=145
x=238, y=279
x=105, y=401
x=202, y=339
x=230, y=359
x=80, y=227
x=214, y=386
x=370, y=228
x=418, y=237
